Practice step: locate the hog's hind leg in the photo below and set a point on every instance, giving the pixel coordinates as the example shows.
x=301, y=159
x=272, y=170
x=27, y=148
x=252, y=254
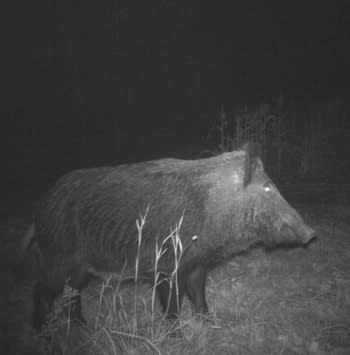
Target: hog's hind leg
x=78, y=279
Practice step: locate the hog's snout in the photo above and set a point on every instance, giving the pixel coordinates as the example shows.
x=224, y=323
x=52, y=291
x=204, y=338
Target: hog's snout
x=295, y=229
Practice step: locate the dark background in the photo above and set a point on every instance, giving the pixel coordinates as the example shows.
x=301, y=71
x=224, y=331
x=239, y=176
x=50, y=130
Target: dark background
x=102, y=82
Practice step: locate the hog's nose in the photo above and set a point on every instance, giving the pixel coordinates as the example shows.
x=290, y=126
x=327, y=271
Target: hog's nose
x=309, y=235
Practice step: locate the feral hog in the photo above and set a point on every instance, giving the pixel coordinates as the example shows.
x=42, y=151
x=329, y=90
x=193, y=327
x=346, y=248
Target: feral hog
x=226, y=204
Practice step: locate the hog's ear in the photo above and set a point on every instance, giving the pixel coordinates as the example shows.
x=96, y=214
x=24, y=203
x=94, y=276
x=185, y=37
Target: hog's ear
x=252, y=152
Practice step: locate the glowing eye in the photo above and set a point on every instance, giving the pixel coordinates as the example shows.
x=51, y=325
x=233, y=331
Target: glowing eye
x=267, y=187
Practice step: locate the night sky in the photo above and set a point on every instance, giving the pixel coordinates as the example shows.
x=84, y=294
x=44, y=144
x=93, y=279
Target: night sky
x=99, y=82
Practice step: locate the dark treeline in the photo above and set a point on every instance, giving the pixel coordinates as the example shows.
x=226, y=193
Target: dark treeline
x=92, y=84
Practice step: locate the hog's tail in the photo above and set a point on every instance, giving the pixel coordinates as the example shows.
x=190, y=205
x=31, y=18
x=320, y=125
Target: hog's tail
x=27, y=240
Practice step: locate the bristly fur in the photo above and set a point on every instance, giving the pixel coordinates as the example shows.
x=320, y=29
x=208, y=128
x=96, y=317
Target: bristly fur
x=86, y=224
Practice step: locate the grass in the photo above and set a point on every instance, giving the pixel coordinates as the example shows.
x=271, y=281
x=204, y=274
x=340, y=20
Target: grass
x=288, y=301
x=117, y=325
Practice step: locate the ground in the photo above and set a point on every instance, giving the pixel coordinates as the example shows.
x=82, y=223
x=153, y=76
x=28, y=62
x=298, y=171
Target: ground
x=285, y=301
